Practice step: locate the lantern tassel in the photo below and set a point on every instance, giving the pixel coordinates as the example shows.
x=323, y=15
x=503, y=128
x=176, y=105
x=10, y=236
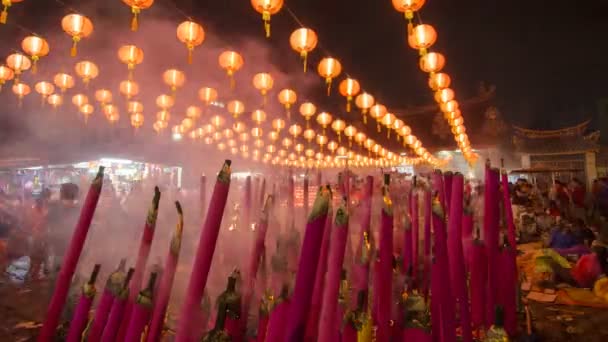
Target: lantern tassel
x=4, y=15
x=339, y=137
x=232, y=82
x=34, y=65
x=190, y=55
x=134, y=21
x=388, y=133
x=288, y=114
x=378, y=126
x=328, y=81
x=1, y=84
x=348, y=106
x=74, y=49
x=266, y=18
x=364, y=118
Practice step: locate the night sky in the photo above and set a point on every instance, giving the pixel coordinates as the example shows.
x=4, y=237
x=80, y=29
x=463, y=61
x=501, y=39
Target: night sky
x=546, y=58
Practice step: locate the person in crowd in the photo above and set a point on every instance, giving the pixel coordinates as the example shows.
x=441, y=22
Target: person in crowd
x=563, y=236
x=37, y=222
x=62, y=218
x=587, y=269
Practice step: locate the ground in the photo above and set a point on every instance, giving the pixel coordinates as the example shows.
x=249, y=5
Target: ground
x=22, y=309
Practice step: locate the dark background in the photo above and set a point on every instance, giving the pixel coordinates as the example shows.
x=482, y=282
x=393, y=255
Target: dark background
x=546, y=58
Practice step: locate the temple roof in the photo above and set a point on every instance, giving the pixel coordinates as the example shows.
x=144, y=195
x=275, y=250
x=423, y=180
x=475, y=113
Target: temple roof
x=577, y=130
x=569, y=140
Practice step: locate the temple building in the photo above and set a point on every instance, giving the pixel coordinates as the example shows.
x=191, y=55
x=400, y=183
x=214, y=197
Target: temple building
x=559, y=154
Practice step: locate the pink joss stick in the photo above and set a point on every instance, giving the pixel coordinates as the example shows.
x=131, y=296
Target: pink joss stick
x=117, y=312
x=458, y=273
x=446, y=299
x=491, y=239
x=113, y=287
x=467, y=234
x=203, y=196
x=312, y=327
x=81, y=315
x=142, y=258
x=166, y=282
x=427, y=243
x=385, y=266
x=141, y=311
x=277, y=322
x=448, y=177
x=204, y=255
x=479, y=272
x=328, y=327
x=415, y=232
x=254, y=260
x=248, y=197
x=71, y=259
x=363, y=258
x=309, y=259
x=416, y=335
x=306, y=195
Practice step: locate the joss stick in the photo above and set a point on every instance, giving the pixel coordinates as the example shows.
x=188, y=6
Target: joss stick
x=111, y=290
x=328, y=327
x=309, y=259
x=141, y=311
x=385, y=265
x=204, y=255
x=81, y=314
x=117, y=312
x=166, y=283
x=456, y=256
x=145, y=245
x=71, y=259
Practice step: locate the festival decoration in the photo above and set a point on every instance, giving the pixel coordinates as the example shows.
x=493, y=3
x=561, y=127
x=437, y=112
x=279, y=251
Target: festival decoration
x=439, y=81
x=87, y=71
x=64, y=81
x=19, y=63
x=78, y=27
x=129, y=89
x=192, y=35
x=377, y=112
x=207, y=95
x=103, y=96
x=136, y=7
x=137, y=120
x=165, y=101
x=263, y=82
x=6, y=74
x=21, y=90
x=55, y=100
x=236, y=108
x=364, y=102
x=408, y=7
x=267, y=8
x=130, y=55
x=6, y=5
x=258, y=116
x=86, y=110
x=338, y=126
x=36, y=48
x=329, y=68
x=134, y=107
x=307, y=109
x=432, y=62
x=175, y=79
x=349, y=88
x=278, y=125
x=79, y=100
x=350, y=132
x=324, y=119
x=111, y=112
x=422, y=37
x=45, y=89
x=303, y=41
x=232, y=62
x=193, y=112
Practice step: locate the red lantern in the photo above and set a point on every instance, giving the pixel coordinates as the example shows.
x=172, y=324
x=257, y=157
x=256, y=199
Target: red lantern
x=267, y=8
x=136, y=7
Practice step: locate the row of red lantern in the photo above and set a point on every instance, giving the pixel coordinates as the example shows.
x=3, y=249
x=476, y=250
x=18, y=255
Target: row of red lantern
x=303, y=40
x=422, y=37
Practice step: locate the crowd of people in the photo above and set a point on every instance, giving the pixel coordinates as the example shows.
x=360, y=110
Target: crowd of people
x=572, y=224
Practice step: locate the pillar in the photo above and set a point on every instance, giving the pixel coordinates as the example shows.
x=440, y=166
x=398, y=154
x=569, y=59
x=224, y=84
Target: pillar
x=590, y=168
